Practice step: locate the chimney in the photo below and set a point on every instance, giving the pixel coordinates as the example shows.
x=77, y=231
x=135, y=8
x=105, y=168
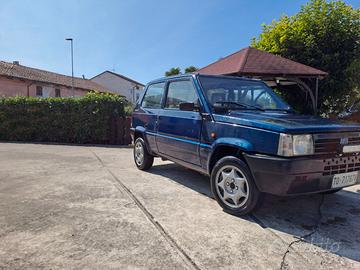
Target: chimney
x=16, y=63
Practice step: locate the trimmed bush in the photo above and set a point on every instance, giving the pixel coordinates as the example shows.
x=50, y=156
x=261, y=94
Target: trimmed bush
x=88, y=119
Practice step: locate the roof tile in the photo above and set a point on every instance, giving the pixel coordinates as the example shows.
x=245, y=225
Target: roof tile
x=38, y=75
x=251, y=61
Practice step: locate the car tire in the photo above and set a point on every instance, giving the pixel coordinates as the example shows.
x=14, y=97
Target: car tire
x=143, y=159
x=233, y=186
x=331, y=191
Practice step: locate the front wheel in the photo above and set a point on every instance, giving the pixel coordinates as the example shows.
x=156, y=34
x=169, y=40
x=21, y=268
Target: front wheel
x=143, y=159
x=233, y=186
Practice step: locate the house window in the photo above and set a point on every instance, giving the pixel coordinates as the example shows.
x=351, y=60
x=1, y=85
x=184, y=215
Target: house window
x=39, y=91
x=57, y=92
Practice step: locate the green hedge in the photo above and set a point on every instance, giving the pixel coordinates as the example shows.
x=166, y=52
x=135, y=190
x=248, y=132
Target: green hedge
x=68, y=120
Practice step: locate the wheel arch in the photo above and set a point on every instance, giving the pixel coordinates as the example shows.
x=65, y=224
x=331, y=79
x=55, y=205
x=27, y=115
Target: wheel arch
x=228, y=147
x=141, y=132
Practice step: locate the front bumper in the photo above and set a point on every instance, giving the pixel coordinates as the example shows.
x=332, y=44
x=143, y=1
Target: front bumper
x=290, y=176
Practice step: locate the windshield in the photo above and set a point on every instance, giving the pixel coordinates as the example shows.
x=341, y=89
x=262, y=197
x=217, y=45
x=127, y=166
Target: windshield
x=248, y=94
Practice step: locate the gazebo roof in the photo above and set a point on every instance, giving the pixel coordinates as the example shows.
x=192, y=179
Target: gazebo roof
x=253, y=62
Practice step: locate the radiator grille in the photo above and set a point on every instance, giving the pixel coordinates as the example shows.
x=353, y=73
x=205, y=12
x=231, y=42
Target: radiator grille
x=331, y=143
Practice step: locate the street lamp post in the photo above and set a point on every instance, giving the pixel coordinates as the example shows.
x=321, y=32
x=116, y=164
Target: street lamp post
x=72, y=66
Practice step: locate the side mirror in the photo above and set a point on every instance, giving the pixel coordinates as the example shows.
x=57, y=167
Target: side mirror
x=186, y=106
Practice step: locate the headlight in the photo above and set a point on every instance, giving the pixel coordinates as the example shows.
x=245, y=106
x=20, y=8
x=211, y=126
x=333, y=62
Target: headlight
x=295, y=145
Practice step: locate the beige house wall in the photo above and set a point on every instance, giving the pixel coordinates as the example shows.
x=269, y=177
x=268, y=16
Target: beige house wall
x=120, y=86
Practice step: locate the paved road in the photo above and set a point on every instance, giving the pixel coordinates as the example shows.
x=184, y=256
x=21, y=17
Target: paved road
x=89, y=207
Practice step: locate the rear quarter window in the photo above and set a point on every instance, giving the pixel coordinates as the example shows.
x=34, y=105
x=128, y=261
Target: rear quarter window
x=153, y=96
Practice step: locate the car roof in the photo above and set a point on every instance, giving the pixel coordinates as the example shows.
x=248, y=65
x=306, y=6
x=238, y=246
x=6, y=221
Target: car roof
x=165, y=79
x=195, y=75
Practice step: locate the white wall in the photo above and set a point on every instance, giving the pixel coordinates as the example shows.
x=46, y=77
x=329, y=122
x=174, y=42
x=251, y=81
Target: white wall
x=119, y=85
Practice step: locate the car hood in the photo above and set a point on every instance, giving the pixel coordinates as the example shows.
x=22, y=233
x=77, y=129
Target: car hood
x=285, y=122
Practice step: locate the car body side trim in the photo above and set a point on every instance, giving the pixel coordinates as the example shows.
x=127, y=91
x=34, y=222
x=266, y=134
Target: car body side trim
x=203, y=145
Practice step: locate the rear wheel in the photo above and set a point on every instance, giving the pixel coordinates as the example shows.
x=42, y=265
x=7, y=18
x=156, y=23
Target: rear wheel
x=233, y=186
x=142, y=158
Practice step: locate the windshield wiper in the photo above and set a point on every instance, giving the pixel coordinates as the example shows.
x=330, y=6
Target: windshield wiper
x=238, y=104
x=282, y=110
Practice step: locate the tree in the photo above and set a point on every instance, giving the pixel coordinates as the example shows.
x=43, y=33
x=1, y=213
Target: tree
x=177, y=71
x=324, y=35
x=173, y=71
x=190, y=69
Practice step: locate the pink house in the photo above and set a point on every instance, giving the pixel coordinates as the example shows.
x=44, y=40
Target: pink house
x=19, y=80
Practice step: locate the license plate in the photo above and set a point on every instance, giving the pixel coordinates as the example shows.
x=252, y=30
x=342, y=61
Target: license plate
x=344, y=179
x=351, y=148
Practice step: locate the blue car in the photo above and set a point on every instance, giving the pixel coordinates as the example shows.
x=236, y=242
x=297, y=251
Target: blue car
x=245, y=137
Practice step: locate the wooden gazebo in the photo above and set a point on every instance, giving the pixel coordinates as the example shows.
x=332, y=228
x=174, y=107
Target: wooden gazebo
x=273, y=69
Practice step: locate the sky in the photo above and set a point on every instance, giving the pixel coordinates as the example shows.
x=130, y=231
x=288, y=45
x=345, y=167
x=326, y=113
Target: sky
x=140, y=39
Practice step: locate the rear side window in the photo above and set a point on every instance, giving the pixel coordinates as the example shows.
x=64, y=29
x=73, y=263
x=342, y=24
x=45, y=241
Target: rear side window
x=180, y=92
x=153, y=96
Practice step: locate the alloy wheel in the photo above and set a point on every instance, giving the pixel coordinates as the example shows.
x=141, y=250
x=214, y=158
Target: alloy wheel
x=232, y=186
x=139, y=153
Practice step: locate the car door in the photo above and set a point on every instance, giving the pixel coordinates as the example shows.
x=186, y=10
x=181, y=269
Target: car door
x=179, y=131
x=147, y=112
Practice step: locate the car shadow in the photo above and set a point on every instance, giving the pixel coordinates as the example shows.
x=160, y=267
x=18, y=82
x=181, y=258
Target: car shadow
x=329, y=222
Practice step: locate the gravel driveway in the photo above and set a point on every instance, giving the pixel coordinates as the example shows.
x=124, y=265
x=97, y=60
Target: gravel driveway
x=79, y=207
